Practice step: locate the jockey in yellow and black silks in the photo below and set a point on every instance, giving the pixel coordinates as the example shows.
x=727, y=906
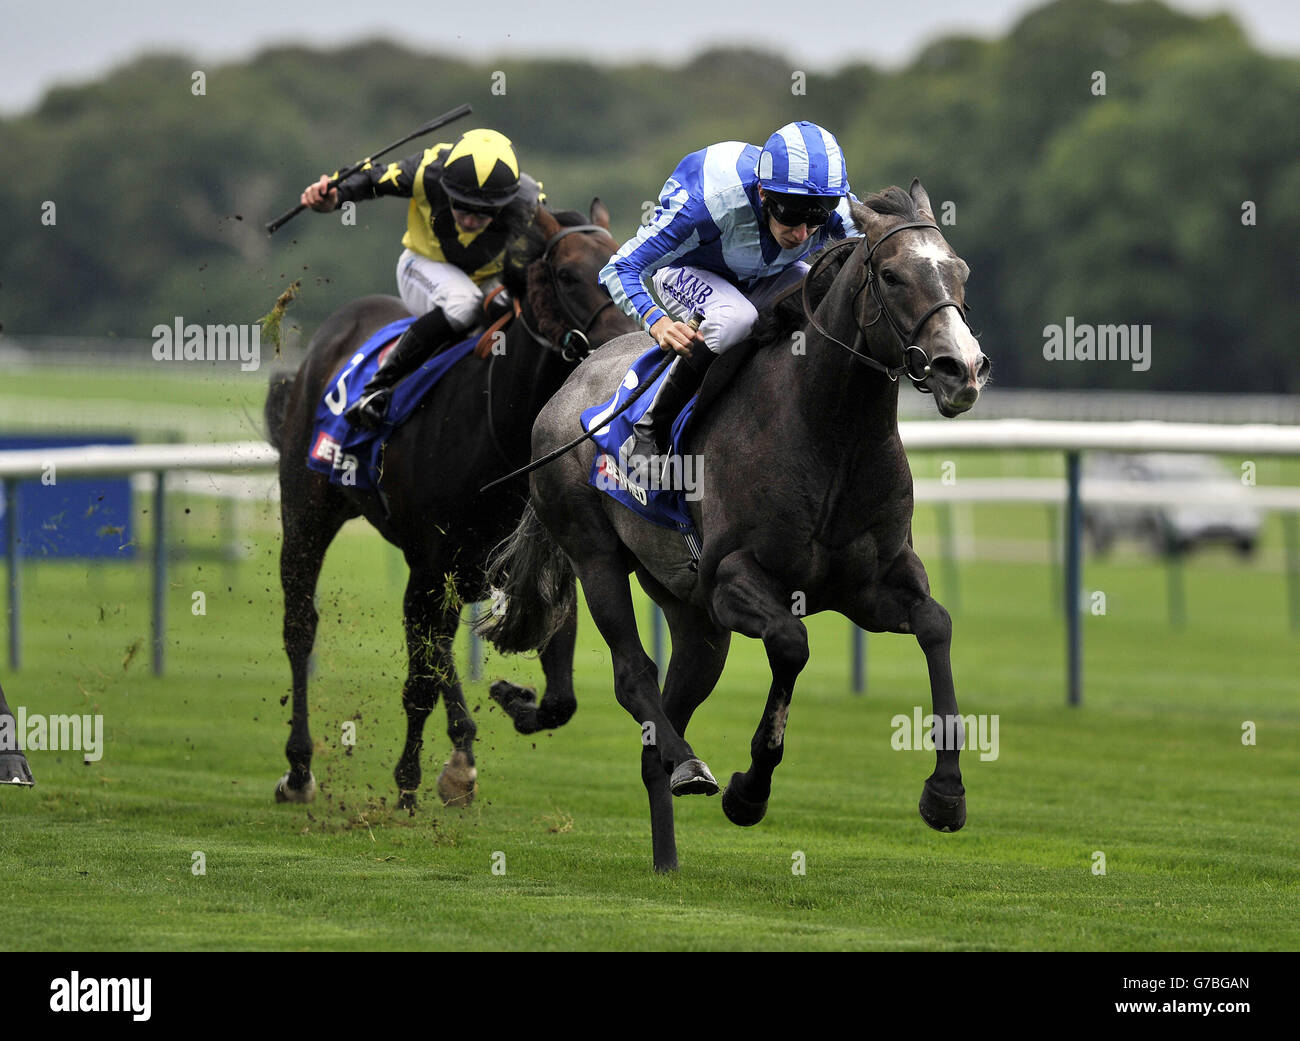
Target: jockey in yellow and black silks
x=468, y=198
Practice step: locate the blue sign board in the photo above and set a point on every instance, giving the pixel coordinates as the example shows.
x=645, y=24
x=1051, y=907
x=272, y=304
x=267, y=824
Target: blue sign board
x=70, y=517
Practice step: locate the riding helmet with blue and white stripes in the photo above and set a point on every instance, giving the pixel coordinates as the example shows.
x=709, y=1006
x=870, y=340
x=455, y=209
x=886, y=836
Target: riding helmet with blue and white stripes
x=803, y=159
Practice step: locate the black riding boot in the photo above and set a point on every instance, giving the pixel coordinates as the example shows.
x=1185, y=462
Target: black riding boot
x=421, y=339
x=654, y=429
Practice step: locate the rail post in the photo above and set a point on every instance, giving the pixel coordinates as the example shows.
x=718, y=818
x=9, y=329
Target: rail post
x=657, y=639
x=13, y=554
x=858, y=654
x=1073, y=580
x=475, y=644
x=159, y=568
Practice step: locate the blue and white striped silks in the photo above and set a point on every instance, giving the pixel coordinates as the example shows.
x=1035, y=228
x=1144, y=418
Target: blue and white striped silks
x=803, y=159
x=709, y=216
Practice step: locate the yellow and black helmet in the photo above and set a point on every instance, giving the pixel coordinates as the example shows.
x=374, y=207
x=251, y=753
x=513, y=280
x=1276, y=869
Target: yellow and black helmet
x=481, y=170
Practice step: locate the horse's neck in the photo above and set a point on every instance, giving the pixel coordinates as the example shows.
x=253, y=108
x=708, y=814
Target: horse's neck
x=843, y=400
x=847, y=451
x=526, y=376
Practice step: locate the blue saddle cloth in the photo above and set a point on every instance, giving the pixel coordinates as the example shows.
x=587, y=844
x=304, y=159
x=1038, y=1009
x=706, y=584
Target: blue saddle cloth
x=351, y=456
x=659, y=498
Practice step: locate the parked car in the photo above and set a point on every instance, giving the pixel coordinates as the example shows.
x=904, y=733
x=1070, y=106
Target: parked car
x=1225, y=515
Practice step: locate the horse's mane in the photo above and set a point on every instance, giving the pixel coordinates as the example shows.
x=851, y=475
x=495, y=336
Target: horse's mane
x=891, y=202
x=523, y=275
x=777, y=323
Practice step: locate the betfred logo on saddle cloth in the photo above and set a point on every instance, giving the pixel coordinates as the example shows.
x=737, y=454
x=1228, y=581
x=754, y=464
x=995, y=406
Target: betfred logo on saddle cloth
x=350, y=456
x=658, y=494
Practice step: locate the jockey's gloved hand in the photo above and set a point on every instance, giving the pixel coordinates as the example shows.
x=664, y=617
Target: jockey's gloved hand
x=676, y=336
x=315, y=197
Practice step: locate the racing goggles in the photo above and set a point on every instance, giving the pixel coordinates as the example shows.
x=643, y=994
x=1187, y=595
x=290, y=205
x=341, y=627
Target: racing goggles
x=795, y=210
x=477, y=211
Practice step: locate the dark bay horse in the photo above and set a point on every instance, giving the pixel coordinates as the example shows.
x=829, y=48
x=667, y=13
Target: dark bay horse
x=473, y=427
x=805, y=506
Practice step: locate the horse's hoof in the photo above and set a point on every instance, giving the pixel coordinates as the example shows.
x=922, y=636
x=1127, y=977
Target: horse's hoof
x=519, y=703
x=14, y=770
x=693, y=778
x=458, y=782
x=286, y=793
x=508, y=695
x=738, y=809
x=942, y=812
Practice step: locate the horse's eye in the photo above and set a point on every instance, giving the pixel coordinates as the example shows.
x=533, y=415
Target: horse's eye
x=567, y=277
x=889, y=278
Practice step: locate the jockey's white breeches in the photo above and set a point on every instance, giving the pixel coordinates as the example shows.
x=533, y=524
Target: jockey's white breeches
x=426, y=284
x=729, y=311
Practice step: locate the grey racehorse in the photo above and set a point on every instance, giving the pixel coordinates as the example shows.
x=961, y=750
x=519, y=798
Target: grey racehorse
x=805, y=505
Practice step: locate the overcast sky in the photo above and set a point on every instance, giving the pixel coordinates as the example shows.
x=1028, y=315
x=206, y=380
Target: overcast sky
x=44, y=43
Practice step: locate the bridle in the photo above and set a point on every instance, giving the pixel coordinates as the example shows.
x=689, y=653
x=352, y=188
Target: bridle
x=906, y=340
x=574, y=345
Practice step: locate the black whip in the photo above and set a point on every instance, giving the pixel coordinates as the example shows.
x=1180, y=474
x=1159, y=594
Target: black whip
x=537, y=464
x=433, y=124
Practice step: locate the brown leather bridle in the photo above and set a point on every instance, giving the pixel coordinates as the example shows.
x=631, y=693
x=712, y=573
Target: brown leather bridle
x=574, y=345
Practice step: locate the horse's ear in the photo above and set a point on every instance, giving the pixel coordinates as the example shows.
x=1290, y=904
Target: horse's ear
x=921, y=199
x=866, y=220
x=549, y=225
x=599, y=214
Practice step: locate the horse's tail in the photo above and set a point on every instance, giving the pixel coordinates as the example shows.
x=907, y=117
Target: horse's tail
x=277, y=401
x=537, y=582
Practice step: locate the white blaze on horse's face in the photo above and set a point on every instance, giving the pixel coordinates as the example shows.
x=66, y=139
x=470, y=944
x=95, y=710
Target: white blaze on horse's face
x=950, y=271
x=930, y=251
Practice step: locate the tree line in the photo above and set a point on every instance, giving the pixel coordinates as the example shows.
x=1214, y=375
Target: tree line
x=1109, y=164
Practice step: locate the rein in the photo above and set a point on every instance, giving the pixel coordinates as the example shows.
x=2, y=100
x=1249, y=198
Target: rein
x=906, y=340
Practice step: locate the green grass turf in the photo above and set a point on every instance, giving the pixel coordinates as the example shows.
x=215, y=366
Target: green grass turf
x=196, y=402
x=1199, y=831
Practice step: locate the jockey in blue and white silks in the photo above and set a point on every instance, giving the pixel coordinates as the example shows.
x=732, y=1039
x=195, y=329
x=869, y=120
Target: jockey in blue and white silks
x=733, y=225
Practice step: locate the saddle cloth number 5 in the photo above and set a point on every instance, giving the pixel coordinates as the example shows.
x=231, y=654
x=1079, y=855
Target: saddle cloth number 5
x=336, y=400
